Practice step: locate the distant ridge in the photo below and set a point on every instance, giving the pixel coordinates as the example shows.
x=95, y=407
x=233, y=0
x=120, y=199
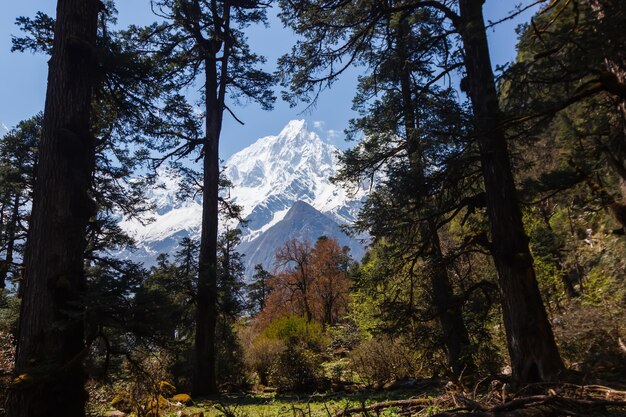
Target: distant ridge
x=302, y=222
x=274, y=175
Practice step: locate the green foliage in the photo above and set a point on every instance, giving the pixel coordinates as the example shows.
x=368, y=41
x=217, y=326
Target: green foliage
x=298, y=369
x=258, y=289
x=287, y=354
x=383, y=359
x=294, y=330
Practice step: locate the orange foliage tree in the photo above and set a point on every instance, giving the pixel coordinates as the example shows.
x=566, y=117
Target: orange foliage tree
x=312, y=281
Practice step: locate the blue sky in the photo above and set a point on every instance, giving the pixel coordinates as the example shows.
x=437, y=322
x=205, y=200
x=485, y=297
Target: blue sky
x=23, y=76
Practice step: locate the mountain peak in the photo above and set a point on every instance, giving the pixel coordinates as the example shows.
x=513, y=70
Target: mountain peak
x=299, y=208
x=293, y=128
x=286, y=176
x=275, y=172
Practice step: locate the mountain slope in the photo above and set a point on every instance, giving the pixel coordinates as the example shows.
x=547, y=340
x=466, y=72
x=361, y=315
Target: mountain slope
x=268, y=178
x=302, y=222
x=272, y=174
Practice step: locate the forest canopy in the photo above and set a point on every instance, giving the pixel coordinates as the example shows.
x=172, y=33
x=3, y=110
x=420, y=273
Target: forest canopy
x=495, y=216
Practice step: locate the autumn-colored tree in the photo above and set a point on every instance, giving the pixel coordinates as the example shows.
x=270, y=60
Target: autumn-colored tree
x=295, y=281
x=312, y=281
x=331, y=284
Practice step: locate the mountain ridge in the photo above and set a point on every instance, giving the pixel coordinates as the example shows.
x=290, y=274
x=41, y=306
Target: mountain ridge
x=269, y=177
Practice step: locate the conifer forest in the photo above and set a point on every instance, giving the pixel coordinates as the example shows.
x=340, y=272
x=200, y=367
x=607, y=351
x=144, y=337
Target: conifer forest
x=491, y=213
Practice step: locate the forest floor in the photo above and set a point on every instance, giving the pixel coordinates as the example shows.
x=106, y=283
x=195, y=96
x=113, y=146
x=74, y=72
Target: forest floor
x=303, y=405
x=426, y=399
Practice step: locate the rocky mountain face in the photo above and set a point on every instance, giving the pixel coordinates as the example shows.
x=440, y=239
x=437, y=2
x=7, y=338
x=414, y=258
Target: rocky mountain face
x=283, y=184
x=302, y=222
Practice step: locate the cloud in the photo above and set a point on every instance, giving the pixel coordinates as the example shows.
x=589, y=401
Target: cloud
x=333, y=134
x=3, y=127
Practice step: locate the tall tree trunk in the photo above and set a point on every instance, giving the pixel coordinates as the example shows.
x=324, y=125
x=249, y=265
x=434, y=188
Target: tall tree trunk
x=455, y=335
x=50, y=341
x=204, y=382
x=615, y=65
x=5, y=266
x=533, y=351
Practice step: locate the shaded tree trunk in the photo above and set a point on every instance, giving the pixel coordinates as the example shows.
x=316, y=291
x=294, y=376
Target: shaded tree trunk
x=50, y=340
x=615, y=65
x=533, y=351
x=455, y=335
x=204, y=381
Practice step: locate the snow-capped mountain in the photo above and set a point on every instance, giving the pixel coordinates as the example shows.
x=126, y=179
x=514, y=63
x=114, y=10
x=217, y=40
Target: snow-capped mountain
x=268, y=178
x=272, y=174
x=302, y=222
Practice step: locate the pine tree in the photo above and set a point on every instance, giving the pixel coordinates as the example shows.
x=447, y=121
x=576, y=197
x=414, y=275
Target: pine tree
x=51, y=336
x=17, y=174
x=258, y=289
x=343, y=31
x=204, y=40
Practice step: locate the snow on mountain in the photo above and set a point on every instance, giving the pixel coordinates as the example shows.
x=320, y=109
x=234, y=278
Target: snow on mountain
x=272, y=174
x=268, y=178
x=302, y=222
x=170, y=217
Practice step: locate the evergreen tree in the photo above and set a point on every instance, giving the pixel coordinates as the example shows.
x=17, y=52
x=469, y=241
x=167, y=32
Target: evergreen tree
x=17, y=167
x=51, y=334
x=230, y=306
x=204, y=41
x=258, y=290
x=343, y=32
x=415, y=137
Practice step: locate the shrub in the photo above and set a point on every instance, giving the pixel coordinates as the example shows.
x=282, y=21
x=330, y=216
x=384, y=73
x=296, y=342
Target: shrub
x=383, y=359
x=261, y=356
x=141, y=387
x=286, y=354
x=7, y=358
x=589, y=335
x=296, y=330
x=297, y=369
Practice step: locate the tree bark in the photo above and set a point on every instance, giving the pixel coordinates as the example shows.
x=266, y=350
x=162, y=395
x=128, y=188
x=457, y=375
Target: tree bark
x=533, y=351
x=204, y=382
x=50, y=378
x=455, y=335
x=615, y=65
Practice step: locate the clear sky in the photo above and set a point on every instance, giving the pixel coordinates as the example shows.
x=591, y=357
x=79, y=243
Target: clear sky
x=23, y=76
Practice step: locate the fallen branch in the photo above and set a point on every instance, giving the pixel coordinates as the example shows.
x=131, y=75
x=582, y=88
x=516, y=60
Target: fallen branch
x=539, y=406
x=531, y=406
x=385, y=404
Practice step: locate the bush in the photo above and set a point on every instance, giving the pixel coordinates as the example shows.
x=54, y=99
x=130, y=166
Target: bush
x=261, y=356
x=286, y=354
x=589, y=335
x=296, y=330
x=297, y=369
x=384, y=359
x=141, y=387
x=7, y=358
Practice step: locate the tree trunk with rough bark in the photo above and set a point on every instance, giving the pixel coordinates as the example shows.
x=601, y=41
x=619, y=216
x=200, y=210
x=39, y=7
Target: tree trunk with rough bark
x=204, y=381
x=455, y=335
x=50, y=377
x=615, y=65
x=533, y=351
